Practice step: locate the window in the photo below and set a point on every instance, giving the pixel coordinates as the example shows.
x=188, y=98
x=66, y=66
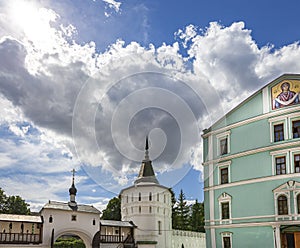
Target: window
x=297, y=163
x=278, y=132
x=127, y=199
x=140, y=209
x=223, y=143
x=226, y=239
x=94, y=222
x=280, y=165
x=224, y=175
x=223, y=146
x=225, y=210
x=296, y=129
x=73, y=218
x=282, y=204
x=226, y=242
x=164, y=198
x=50, y=219
x=150, y=209
x=150, y=196
x=140, y=196
x=159, y=227
x=157, y=197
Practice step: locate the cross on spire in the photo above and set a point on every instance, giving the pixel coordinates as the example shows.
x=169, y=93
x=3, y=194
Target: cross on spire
x=73, y=175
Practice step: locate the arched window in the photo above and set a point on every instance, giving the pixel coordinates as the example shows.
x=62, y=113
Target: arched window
x=94, y=222
x=298, y=203
x=282, y=205
x=50, y=219
x=140, y=196
x=150, y=196
x=140, y=209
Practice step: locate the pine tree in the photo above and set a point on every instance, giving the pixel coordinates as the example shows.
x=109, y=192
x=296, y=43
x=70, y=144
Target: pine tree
x=197, y=217
x=182, y=212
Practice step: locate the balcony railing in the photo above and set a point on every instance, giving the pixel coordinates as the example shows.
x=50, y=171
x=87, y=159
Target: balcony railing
x=19, y=238
x=111, y=238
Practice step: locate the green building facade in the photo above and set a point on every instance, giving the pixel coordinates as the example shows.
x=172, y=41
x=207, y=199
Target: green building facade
x=252, y=170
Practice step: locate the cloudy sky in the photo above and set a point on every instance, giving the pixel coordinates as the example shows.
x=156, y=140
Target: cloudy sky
x=82, y=83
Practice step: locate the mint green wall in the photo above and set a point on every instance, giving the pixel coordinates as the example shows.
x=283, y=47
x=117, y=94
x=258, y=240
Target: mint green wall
x=256, y=199
x=252, y=166
x=248, y=237
x=205, y=149
x=252, y=107
x=250, y=136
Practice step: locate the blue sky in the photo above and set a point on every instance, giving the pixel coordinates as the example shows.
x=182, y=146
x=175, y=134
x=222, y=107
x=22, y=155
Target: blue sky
x=83, y=82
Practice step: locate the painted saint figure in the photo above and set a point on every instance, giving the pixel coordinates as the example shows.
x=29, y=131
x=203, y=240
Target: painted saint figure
x=286, y=97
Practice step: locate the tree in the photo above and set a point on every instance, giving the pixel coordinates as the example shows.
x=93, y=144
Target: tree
x=197, y=217
x=182, y=213
x=113, y=210
x=13, y=204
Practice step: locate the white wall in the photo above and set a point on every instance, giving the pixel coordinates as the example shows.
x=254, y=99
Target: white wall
x=188, y=239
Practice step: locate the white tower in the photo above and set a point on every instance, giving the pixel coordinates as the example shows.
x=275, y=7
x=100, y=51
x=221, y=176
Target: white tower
x=148, y=205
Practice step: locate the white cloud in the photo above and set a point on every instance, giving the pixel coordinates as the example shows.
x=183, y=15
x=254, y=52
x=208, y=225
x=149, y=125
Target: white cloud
x=112, y=4
x=68, y=91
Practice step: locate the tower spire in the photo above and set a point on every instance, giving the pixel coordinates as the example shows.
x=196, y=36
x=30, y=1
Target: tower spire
x=146, y=173
x=147, y=149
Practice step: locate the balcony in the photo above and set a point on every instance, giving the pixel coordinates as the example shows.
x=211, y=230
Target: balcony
x=20, y=238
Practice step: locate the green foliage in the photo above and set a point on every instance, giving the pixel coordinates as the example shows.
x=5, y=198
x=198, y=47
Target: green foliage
x=13, y=204
x=185, y=217
x=182, y=213
x=69, y=242
x=197, y=217
x=113, y=210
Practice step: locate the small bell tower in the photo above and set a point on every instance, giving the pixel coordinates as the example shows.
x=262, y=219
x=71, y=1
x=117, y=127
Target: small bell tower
x=73, y=191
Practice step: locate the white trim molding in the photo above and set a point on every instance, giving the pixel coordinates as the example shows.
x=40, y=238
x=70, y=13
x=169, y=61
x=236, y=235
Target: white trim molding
x=221, y=136
x=223, y=166
x=226, y=235
x=224, y=198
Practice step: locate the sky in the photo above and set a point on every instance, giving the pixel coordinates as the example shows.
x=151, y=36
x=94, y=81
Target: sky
x=82, y=83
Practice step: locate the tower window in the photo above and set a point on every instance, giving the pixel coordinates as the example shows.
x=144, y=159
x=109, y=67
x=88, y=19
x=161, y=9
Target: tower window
x=50, y=219
x=150, y=196
x=94, y=222
x=73, y=217
x=140, y=209
x=159, y=227
x=140, y=196
x=150, y=209
x=278, y=132
x=157, y=197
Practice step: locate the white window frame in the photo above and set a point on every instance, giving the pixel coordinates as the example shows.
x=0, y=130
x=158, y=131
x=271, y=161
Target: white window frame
x=293, y=151
x=220, y=137
x=225, y=235
x=223, y=166
x=275, y=121
x=285, y=189
x=281, y=153
x=223, y=198
x=293, y=117
x=296, y=193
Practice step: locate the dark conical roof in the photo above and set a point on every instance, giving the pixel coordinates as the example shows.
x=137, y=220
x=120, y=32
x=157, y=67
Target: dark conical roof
x=72, y=190
x=146, y=173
